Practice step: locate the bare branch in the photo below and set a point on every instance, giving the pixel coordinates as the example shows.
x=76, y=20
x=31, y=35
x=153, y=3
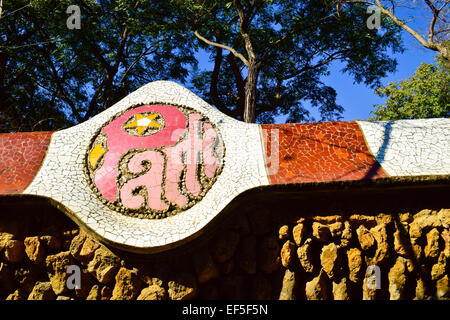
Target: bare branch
x=12, y=12
x=219, y=45
x=430, y=44
x=31, y=44
x=444, y=4
x=433, y=20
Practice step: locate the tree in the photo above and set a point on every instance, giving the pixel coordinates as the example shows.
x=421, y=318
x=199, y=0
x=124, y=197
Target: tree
x=437, y=38
x=269, y=56
x=425, y=95
x=53, y=77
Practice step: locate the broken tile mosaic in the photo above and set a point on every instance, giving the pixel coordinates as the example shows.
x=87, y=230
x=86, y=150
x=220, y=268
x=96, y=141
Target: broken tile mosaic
x=114, y=172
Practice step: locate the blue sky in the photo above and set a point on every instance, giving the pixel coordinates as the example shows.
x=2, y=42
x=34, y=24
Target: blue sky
x=358, y=99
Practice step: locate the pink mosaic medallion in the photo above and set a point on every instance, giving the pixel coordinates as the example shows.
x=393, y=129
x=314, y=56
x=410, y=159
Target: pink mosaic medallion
x=153, y=161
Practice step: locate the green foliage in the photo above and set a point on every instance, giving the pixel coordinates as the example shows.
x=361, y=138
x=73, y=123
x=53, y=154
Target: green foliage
x=425, y=95
x=297, y=41
x=53, y=77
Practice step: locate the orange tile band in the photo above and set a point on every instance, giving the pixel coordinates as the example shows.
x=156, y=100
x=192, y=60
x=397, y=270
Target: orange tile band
x=21, y=157
x=306, y=152
x=318, y=152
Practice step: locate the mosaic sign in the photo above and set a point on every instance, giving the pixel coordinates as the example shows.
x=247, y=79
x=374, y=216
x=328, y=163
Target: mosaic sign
x=153, y=161
x=154, y=170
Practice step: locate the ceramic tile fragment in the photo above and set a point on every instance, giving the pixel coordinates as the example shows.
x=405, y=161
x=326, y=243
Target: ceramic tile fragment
x=119, y=173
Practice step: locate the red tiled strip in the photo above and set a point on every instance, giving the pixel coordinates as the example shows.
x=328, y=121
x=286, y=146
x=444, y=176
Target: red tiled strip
x=319, y=152
x=21, y=157
x=308, y=152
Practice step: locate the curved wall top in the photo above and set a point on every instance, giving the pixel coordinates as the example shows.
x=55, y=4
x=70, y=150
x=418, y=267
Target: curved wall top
x=153, y=170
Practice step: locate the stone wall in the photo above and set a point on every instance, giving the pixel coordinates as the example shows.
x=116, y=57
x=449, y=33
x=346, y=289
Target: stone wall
x=260, y=250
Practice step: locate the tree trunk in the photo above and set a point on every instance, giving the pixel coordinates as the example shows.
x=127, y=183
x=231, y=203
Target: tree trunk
x=250, y=92
x=240, y=85
x=444, y=50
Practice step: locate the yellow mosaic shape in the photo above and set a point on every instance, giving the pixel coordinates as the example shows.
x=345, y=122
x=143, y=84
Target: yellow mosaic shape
x=95, y=154
x=143, y=122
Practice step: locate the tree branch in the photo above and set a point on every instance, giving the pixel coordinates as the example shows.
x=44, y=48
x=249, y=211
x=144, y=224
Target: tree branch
x=60, y=89
x=213, y=90
x=255, y=8
x=111, y=70
x=106, y=80
x=143, y=53
x=120, y=51
x=240, y=82
x=427, y=44
x=219, y=45
x=96, y=52
x=273, y=45
x=433, y=21
x=307, y=67
x=243, y=28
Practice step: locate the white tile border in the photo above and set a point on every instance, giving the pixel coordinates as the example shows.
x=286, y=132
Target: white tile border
x=62, y=178
x=410, y=147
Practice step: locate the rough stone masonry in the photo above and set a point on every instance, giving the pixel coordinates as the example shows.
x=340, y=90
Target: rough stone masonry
x=259, y=253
